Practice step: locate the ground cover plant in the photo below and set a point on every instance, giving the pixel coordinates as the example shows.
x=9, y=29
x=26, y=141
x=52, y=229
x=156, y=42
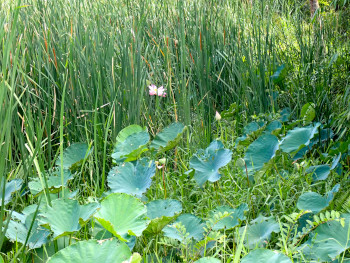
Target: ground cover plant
x=174, y=131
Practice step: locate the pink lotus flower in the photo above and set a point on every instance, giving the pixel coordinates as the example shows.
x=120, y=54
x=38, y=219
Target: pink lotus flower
x=153, y=90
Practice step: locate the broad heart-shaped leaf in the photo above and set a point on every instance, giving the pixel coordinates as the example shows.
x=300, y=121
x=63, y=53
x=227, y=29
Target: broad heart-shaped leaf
x=122, y=214
x=91, y=251
x=185, y=226
x=10, y=187
x=315, y=202
x=297, y=138
x=131, y=178
x=73, y=155
x=328, y=240
x=262, y=255
x=18, y=231
x=274, y=125
x=53, y=179
x=260, y=152
x=260, y=231
x=161, y=212
x=232, y=220
x=207, y=163
x=208, y=260
x=168, y=138
x=66, y=216
x=319, y=172
x=131, y=142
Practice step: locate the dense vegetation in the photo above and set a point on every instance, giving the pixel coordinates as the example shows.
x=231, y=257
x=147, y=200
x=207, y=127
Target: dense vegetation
x=170, y=131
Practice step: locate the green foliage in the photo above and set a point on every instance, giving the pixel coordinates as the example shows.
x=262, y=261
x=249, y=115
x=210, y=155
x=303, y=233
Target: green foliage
x=207, y=163
x=233, y=219
x=133, y=179
x=91, y=251
x=122, y=215
x=261, y=255
x=168, y=138
x=10, y=187
x=74, y=155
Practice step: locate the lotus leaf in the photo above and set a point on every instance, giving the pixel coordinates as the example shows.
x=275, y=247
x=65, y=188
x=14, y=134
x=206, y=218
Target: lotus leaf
x=319, y=172
x=92, y=251
x=328, y=240
x=131, y=142
x=131, y=178
x=262, y=255
x=122, y=214
x=27, y=232
x=274, y=125
x=10, y=187
x=251, y=127
x=260, y=152
x=315, y=202
x=73, y=155
x=185, y=226
x=66, y=215
x=298, y=138
x=161, y=212
x=53, y=180
x=168, y=138
x=232, y=220
x=207, y=163
x=259, y=231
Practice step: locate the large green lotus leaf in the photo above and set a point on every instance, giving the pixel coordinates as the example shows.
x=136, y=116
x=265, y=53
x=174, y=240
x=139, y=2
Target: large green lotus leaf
x=193, y=226
x=165, y=207
x=131, y=178
x=232, y=220
x=251, y=127
x=260, y=152
x=54, y=182
x=74, y=155
x=273, y=126
x=91, y=251
x=207, y=163
x=262, y=255
x=328, y=240
x=319, y=172
x=208, y=260
x=131, y=142
x=259, y=231
x=285, y=114
x=18, y=231
x=298, y=138
x=168, y=138
x=161, y=213
x=10, y=187
x=66, y=216
x=315, y=202
x=335, y=161
x=127, y=131
x=123, y=214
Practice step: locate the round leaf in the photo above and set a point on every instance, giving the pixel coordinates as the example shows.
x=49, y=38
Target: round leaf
x=10, y=187
x=131, y=142
x=185, y=224
x=273, y=126
x=207, y=163
x=168, y=138
x=260, y=152
x=230, y=221
x=312, y=201
x=265, y=256
x=297, y=138
x=132, y=179
x=66, y=215
x=319, y=172
x=122, y=214
x=91, y=251
x=161, y=212
x=73, y=155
